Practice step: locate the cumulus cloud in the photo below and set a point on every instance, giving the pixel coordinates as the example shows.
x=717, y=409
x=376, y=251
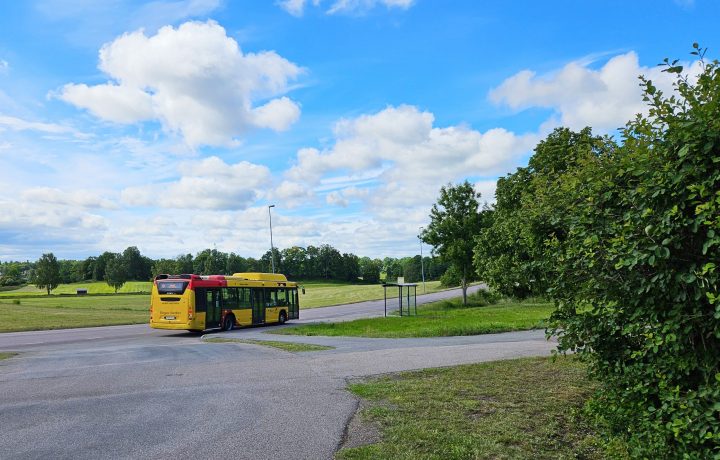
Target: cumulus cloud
x=38, y=217
x=18, y=124
x=605, y=98
x=207, y=184
x=297, y=7
x=403, y=159
x=75, y=198
x=193, y=79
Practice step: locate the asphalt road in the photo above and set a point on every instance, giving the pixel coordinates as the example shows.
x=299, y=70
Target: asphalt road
x=130, y=392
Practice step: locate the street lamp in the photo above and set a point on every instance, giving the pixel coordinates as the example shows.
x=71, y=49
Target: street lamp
x=422, y=262
x=272, y=250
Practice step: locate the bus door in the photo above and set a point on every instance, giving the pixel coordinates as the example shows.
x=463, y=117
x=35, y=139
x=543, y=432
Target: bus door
x=212, y=316
x=258, y=306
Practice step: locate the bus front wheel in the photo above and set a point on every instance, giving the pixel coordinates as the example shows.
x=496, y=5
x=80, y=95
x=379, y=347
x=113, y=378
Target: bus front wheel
x=229, y=323
x=282, y=318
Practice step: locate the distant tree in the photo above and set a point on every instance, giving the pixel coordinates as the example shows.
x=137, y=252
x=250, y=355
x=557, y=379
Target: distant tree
x=210, y=262
x=67, y=271
x=100, y=263
x=412, y=269
x=392, y=269
x=294, y=259
x=235, y=264
x=116, y=272
x=138, y=267
x=184, y=264
x=454, y=222
x=370, y=270
x=164, y=266
x=10, y=274
x=350, y=270
x=47, y=272
x=312, y=262
x=267, y=263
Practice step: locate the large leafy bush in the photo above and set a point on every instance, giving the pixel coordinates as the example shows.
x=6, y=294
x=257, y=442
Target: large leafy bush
x=636, y=274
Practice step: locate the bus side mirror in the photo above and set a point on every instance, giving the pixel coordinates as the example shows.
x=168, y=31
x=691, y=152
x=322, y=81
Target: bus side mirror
x=303, y=291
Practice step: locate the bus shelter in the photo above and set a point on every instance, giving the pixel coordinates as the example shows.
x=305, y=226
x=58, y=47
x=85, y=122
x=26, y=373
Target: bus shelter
x=406, y=295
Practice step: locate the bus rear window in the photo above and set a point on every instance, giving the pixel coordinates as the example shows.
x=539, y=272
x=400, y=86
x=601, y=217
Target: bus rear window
x=171, y=287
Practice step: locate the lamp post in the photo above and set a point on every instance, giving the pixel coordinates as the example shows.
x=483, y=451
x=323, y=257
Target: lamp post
x=272, y=250
x=422, y=262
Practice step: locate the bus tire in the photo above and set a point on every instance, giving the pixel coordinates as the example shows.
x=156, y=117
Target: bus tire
x=229, y=323
x=283, y=317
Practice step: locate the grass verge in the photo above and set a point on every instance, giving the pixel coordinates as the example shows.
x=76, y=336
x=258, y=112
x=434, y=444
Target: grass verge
x=523, y=408
x=31, y=314
x=293, y=347
x=6, y=354
x=439, y=319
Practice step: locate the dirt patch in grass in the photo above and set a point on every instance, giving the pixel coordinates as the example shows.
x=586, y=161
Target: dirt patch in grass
x=292, y=347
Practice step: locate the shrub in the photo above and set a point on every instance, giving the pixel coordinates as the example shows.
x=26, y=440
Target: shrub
x=637, y=277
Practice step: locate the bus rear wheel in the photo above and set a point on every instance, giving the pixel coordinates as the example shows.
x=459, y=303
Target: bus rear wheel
x=282, y=318
x=229, y=323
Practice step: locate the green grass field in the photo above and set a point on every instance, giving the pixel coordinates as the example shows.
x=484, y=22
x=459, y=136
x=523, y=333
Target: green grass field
x=439, y=319
x=520, y=409
x=35, y=313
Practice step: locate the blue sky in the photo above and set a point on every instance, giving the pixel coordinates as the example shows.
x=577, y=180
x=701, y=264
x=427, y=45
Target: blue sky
x=172, y=125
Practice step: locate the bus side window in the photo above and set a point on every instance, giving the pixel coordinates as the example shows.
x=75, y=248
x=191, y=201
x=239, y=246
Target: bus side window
x=244, y=298
x=230, y=298
x=282, y=299
x=270, y=297
x=200, y=300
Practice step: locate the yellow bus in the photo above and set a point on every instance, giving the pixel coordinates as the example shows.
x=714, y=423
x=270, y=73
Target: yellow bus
x=197, y=303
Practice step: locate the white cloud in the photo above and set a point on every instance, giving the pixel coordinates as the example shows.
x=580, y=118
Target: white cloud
x=4, y=66
x=604, y=99
x=297, y=7
x=396, y=160
x=195, y=80
x=75, y=198
x=37, y=217
x=18, y=124
x=207, y=184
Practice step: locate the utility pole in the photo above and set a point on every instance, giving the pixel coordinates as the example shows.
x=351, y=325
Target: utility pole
x=422, y=262
x=272, y=250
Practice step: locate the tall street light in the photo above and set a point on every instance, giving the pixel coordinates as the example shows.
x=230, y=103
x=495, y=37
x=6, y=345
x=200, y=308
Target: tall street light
x=422, y=263
x=272, y=250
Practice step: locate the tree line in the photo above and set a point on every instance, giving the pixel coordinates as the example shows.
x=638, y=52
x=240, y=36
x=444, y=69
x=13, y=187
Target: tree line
x=624, y=237
x=314, y=262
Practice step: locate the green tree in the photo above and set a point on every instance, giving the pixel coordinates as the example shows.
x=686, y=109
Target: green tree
x=210, y=262
x=165, y=266
x=455, y=220
x=511, y=250
x=184, y=264
x=636, y=275
x=294, y=261
x=116, y=272
x=235, y=264
x=370, y=269
x=47, y=272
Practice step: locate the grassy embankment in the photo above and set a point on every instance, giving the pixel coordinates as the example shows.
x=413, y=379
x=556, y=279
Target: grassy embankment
x=29, y=308
x=524, y=408
x=439, y=319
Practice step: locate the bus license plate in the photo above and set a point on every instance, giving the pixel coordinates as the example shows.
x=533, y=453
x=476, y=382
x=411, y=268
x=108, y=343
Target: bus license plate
x=169, y=318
